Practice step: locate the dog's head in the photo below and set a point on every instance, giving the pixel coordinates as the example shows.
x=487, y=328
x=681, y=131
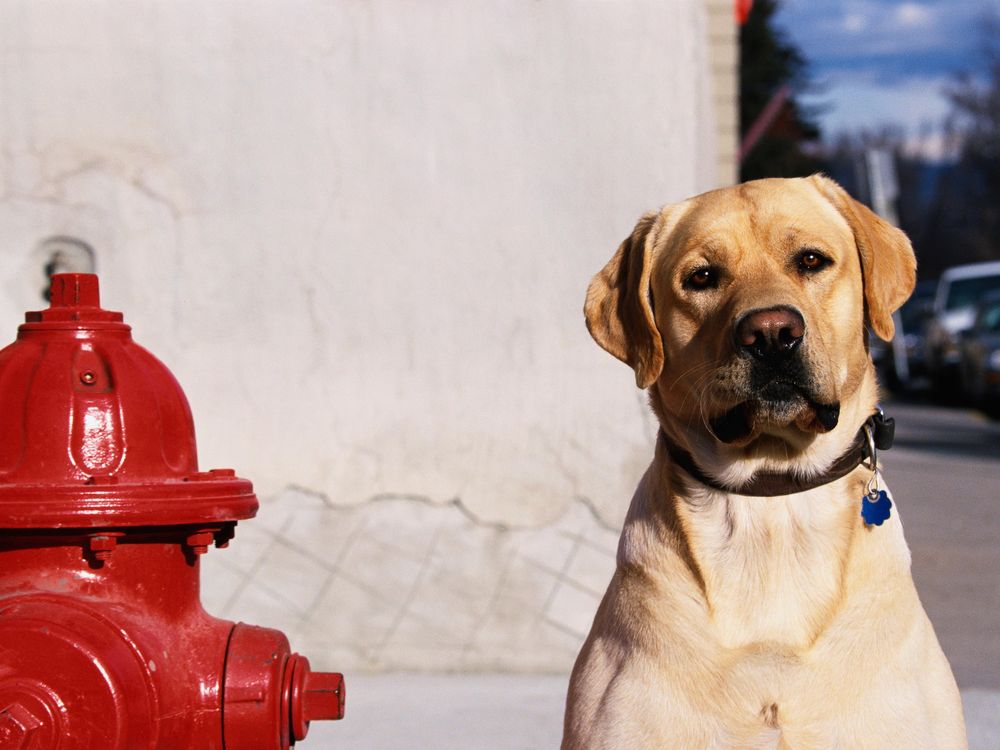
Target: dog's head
x=744, y=311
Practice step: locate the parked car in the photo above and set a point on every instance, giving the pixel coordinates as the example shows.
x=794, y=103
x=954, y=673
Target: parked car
x=980, y=350
x=907, y=364
x=958, y=292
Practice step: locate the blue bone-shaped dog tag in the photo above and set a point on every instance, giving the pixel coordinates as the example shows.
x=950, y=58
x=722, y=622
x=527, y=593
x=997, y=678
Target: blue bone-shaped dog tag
x=876, y=512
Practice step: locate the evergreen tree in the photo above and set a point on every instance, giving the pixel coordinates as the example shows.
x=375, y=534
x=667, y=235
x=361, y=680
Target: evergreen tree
x=970, y=211
x=768, y=61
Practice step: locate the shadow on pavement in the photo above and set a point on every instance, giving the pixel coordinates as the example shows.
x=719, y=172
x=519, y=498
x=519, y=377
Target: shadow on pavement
x=944, y=429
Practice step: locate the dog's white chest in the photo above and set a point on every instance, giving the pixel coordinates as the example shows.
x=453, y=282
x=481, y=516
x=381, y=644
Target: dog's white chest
x=768, y=739
x=770, y=565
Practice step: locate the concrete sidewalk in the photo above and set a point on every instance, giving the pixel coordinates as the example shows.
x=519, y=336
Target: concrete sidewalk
x=501, y=712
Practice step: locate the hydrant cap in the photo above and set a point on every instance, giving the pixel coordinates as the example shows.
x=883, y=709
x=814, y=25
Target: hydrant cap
x=96, y=431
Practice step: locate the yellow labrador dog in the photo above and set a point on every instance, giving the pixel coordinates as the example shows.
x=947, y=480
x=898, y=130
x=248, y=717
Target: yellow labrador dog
x=753, y=606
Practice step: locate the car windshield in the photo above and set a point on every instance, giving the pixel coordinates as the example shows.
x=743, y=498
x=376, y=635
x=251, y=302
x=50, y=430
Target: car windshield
x=916, y=310
x=989, y=318
x=966, y=292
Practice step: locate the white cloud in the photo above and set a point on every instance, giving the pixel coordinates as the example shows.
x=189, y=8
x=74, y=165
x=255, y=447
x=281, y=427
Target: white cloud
x=850, y=102
x=888, y=27
x=855, y=23
x=913, y=14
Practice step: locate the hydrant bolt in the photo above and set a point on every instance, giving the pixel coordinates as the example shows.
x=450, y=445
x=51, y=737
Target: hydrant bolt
x=198, y=542
x=224, y=535
x=102, y=545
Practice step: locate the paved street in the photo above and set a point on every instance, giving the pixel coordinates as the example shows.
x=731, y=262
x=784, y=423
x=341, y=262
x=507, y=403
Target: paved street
x=945, y=473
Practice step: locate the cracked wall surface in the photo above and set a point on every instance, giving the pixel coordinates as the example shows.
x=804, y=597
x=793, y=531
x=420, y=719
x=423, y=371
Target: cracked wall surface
x=403, y=583
x=359, y=233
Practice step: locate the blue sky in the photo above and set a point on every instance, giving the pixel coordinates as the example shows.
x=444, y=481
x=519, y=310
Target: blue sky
x=885, y=61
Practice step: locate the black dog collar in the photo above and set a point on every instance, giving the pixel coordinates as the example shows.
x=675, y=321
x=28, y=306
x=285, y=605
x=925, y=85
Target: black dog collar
x=878, y=430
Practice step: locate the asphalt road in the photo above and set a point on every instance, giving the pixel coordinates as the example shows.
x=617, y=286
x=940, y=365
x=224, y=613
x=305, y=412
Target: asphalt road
x=944, y=471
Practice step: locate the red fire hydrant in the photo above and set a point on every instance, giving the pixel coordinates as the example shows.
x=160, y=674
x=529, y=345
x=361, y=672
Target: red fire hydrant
x=103, y=516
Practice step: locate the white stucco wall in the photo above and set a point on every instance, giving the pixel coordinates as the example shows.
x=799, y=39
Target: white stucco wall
x=360, y=232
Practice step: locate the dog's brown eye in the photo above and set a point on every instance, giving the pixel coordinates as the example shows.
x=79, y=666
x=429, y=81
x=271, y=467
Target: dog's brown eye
x=703, y=278
x=810, y=260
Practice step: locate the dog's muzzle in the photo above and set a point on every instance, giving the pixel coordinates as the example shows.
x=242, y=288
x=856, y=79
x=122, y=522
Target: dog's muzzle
x=780, y=387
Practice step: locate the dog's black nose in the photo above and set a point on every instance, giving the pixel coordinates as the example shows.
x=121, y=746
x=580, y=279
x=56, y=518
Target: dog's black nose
x=770, y=334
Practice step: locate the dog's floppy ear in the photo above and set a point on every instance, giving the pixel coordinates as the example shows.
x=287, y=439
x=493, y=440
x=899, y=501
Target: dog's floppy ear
x=888, y=265
x=618, y=308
